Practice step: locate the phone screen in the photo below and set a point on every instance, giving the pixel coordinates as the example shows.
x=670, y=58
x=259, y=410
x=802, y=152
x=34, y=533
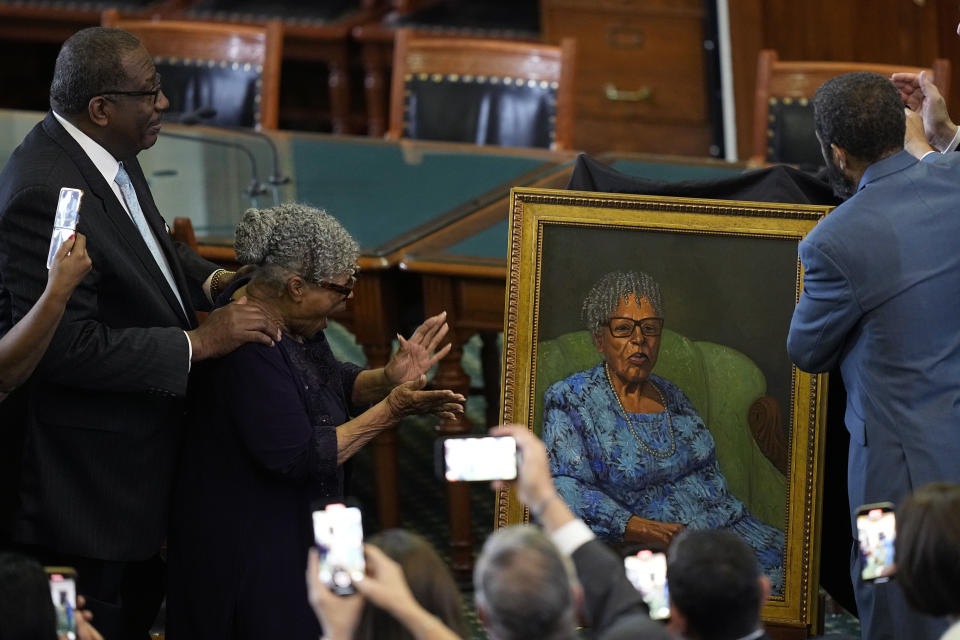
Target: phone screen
x=876, y=531
x=647, y=572
x=63, y=591
x=338, y=531
x=65, y=220
x=480, y=459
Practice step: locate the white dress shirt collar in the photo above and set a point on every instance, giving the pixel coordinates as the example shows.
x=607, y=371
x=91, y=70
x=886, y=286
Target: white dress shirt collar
x=102, y=159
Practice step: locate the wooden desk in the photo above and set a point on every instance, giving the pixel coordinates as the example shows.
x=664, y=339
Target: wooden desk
x=463, y=270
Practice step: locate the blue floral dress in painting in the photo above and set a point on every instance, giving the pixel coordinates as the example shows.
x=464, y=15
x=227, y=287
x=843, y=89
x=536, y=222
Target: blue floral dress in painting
x=606, y=476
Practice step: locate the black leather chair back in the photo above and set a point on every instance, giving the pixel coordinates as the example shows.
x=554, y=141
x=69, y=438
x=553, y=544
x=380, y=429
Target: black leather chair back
x=791, y=137
x=232, y=89
x=510, y=112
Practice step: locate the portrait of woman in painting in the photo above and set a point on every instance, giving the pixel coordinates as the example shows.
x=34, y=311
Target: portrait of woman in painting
x=628, y=451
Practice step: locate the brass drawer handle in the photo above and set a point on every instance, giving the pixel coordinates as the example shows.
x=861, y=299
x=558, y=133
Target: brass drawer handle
x=624, y=37
x=643, y=94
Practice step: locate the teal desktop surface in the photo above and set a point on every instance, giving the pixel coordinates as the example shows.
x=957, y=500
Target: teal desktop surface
x=384, y=192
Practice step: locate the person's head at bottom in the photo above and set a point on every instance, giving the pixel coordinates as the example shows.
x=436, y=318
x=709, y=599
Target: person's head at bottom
x=716, y=587
x=524, y=587
x=429, y=579
x=26, y=609
x=927, y=549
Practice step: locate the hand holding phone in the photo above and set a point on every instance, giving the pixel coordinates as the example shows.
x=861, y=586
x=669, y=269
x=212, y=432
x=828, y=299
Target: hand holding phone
x=876, y=532
x=647, y=572
x=477, y=459
x=63, y=591
x=338, y=531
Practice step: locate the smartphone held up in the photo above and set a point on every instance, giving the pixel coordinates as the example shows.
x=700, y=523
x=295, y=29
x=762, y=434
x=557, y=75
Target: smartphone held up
x=647, y=572
x=65, y=220
x=338, y=532
x=477, y=459
x=63, y=591
x=876, y=532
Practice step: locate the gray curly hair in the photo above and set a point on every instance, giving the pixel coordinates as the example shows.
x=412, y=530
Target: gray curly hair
x=295, y=237
x=608, y=291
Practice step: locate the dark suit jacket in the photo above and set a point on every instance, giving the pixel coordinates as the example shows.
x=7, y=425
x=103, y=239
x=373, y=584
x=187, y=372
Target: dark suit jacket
x=614, y=609
x=105, y=405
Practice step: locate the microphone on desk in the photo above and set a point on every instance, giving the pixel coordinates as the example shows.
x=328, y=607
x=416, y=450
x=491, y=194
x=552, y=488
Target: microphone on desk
x=199, y=115
x=255, y=188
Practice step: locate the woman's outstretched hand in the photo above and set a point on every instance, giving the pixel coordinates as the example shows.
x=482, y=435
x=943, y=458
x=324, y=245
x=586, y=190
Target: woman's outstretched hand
x=410, y=399
x=418, y=353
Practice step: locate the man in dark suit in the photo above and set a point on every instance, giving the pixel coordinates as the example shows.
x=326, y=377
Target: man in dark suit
x=880, y=284
x=716, y=587
x=106, y=404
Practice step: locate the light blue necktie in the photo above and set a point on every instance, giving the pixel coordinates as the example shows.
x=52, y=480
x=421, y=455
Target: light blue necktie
x=136, y=214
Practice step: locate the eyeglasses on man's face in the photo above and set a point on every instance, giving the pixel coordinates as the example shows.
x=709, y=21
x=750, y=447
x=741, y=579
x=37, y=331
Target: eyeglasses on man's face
x=155, y=93
x=624, y=327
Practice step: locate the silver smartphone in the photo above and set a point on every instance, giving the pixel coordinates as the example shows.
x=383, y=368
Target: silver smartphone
x=65, y=220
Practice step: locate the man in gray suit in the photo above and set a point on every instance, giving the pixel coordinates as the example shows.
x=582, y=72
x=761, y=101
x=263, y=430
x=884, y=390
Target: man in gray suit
x=880, y=298
x=106, y=404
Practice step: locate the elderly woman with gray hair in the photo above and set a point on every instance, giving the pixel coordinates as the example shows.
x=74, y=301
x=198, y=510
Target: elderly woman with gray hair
x=273, y=425
x=628, y=451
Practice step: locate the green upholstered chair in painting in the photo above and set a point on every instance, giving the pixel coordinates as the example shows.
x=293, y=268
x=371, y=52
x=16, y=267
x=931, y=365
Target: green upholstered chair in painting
x=729, y=392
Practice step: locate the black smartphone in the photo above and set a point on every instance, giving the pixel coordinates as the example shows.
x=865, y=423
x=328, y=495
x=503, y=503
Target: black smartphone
x=338, y=532
x=647, y=572
x=476, y=459
x=876, y=532
x=63, y=591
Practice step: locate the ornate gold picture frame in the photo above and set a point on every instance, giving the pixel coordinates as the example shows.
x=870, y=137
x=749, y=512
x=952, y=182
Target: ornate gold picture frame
x=729, y=276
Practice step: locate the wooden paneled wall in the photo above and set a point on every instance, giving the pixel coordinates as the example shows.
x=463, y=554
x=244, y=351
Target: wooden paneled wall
x=909, y=32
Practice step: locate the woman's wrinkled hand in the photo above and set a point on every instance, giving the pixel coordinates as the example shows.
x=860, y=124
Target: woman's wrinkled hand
x=655, y=534
x=418, y=354
x=410, y=399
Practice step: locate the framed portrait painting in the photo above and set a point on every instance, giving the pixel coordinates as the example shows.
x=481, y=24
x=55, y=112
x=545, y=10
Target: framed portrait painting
x=619, y=303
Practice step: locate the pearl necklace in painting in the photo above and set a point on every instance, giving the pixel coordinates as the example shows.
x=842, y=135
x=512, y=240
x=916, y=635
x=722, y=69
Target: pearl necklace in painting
x=663, y=401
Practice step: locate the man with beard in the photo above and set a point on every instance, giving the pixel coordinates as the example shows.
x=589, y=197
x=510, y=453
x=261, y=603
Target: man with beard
x=881, y=278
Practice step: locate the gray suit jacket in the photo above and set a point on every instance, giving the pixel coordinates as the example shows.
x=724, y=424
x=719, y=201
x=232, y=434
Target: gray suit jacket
x=106, y=403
